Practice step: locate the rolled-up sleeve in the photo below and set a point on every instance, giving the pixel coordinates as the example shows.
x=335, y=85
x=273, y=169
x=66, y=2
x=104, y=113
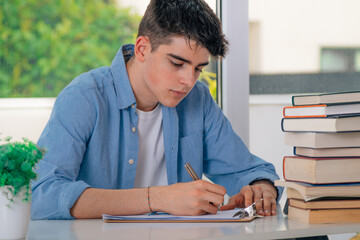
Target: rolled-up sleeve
x=64, y=139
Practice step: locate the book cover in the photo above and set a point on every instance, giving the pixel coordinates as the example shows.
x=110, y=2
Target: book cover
x=321, y=170
x=326, y=98
x=322, y=140
x=351, y=215
x=327, y=124
x=321, y=110
x=327, y=152
x=325, y=203
x=309, y=191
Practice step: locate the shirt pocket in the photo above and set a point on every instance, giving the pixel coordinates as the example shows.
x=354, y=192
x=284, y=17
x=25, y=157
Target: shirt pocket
x=191, y=151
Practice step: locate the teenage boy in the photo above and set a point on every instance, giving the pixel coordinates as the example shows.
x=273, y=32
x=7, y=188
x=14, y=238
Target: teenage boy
x=115, y=131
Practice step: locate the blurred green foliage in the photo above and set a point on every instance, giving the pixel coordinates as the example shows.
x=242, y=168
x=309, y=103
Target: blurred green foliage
x=44, y=44
x=209, y=78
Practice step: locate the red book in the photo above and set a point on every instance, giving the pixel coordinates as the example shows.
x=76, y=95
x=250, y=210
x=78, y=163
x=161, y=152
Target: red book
x=321, y=110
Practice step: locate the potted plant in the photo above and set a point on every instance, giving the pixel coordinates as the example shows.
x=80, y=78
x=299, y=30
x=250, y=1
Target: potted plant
x=17, y=161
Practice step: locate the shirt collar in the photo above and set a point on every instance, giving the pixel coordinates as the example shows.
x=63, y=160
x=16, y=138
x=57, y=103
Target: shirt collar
x=124, y=93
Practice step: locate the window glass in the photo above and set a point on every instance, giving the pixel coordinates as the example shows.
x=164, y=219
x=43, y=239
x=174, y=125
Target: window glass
x=303, y=46
x=46, y=44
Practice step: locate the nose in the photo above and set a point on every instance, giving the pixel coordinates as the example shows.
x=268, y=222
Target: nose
x=188, y=77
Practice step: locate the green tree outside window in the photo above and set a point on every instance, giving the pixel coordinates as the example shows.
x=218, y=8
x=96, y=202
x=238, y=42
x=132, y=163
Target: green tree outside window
x=44, y=44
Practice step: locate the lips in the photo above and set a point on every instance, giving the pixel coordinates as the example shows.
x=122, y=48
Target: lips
x=178, y=93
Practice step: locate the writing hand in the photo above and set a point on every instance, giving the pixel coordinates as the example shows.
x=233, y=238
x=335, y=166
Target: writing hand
x=192, y=198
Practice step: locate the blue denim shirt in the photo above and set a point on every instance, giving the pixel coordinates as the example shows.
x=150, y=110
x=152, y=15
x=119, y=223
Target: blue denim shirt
x=90, y=143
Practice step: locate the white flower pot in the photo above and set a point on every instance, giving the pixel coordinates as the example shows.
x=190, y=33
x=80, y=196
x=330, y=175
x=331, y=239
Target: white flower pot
x=14, y=218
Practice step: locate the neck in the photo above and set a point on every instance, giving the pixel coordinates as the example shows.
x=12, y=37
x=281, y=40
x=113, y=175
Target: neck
x=145, y=100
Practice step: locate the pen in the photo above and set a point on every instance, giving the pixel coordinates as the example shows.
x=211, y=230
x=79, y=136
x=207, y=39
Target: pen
x=193, y=174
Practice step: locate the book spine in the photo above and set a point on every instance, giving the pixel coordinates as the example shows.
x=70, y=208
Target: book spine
x=282, y=125
x=303, y=116
x=284, y=168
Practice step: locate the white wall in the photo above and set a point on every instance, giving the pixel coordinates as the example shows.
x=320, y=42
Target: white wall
x=293, y=31
x=266, y=137
x=24, y=117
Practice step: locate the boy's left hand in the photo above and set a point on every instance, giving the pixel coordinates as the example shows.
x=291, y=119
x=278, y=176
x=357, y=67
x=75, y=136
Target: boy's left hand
x=251, y=193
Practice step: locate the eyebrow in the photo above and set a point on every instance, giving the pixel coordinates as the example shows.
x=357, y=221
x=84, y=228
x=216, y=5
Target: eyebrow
x=185, y=60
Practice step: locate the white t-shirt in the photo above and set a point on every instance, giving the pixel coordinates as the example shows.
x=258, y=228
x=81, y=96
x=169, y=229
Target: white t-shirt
x=151, y=165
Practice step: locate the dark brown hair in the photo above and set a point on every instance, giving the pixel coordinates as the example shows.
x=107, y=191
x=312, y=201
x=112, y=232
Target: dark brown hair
x=193, y=19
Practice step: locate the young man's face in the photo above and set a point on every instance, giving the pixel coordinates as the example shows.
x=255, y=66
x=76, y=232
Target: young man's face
x=171, y=71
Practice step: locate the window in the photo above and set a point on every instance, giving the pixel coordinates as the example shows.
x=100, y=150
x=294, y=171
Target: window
x=340, y=59
x=289, y=50
x=46, y=44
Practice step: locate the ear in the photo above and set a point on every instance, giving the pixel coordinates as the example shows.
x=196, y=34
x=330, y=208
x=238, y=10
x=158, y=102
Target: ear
x=142, y=47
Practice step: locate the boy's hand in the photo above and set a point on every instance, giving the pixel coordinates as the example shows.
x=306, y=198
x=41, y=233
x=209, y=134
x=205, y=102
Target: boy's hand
x=251, y=193
x=192, y=198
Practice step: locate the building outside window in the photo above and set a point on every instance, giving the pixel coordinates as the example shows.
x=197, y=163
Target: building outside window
x=304, y=46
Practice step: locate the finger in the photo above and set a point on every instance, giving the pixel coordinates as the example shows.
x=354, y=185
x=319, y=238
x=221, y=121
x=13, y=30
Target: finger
x=209, y=208
x=230, y=205
x=273, y=207
x=267, y=202
x=213, y=198
x=211, y=187
x=239, y=200
x=248, y=195
x=258, y=194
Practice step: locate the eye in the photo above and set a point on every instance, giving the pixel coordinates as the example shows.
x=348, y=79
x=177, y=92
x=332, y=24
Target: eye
x=198, y=70
x=176, y=64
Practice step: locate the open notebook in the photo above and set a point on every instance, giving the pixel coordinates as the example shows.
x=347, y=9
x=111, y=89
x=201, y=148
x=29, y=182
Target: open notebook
x=220, y=216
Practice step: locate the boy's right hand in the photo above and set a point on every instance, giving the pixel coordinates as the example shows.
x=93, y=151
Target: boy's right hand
x=191, y=198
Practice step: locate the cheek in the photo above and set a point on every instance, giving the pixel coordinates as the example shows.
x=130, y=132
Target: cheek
x=159, y=75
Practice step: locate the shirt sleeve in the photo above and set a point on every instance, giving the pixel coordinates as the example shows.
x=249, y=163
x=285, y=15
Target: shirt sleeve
x=227, y=160
x=64, y=139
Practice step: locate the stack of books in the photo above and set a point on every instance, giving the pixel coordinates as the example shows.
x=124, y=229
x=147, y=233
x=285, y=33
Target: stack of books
x=323, y=178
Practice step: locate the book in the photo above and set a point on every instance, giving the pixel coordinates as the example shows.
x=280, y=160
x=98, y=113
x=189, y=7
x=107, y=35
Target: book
x=321, y=170
x=309, y=192
x=351, y=215
x=322, y=140
x=327, y=152
x=220, y=216
x=328, y=124
x=326, y=98
x=320, y=110
x=325, y=203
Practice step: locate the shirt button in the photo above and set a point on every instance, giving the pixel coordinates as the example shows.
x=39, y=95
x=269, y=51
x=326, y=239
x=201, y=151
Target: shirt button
x=131, y=161
x=133, y=129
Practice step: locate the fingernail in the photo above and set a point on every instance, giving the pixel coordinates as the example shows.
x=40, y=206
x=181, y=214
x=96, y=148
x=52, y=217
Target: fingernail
x=267, y=212
x=261, y=212
x=273, y=211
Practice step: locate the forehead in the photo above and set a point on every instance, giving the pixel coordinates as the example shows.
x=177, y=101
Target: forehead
x=184, y=47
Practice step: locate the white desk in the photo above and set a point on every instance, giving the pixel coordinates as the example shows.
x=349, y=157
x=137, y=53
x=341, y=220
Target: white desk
x=274, y=227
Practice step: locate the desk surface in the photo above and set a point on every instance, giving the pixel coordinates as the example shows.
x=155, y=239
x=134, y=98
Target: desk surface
x=274, y=227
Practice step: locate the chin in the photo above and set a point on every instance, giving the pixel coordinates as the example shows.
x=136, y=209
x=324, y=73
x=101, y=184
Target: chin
x=170, y=104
